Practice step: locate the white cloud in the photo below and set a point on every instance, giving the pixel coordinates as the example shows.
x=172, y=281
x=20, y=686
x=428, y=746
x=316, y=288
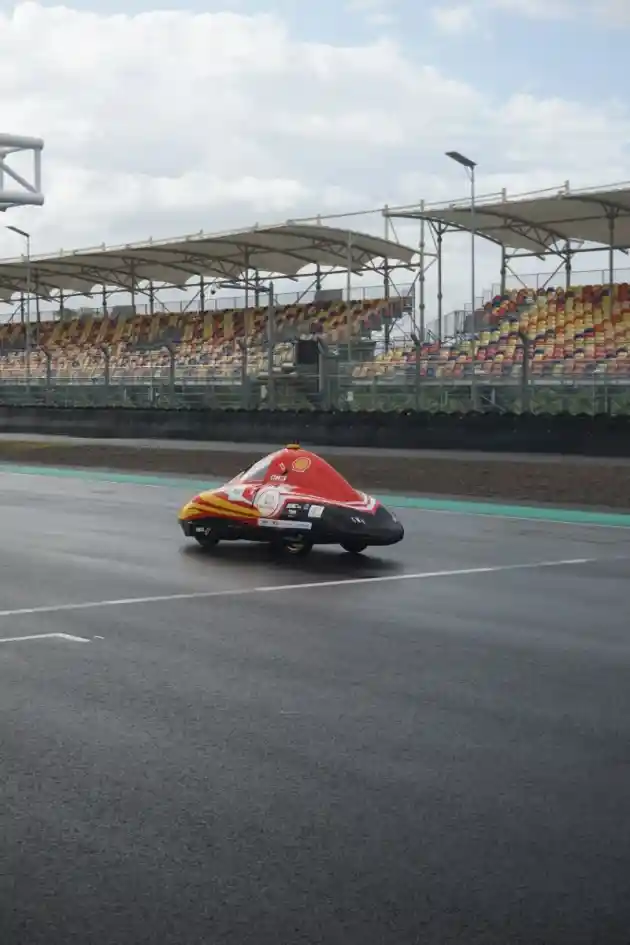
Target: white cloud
x=377, y=13
x=602, y=12
x=167, y=123
x=617, y=11
x=453, y=20
x=537, y=9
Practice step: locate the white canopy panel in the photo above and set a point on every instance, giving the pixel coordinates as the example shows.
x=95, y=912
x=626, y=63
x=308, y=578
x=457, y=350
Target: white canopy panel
x=538, y=223
x=280, y=251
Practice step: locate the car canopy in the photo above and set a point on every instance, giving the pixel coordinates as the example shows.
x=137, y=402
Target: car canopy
x=306, y=472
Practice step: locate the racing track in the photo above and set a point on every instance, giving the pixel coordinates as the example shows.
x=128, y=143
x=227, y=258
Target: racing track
x=431, y=760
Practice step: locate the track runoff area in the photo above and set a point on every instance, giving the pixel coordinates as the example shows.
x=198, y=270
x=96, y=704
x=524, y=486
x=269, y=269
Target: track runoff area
x=427, y=743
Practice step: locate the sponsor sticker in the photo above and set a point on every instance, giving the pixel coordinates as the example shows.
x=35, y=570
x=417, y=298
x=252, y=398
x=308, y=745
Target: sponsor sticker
x=280, y=524
x=301, y=464
x=316, y=511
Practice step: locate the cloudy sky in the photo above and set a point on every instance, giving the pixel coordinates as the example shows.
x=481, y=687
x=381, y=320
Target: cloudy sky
x=162, y=121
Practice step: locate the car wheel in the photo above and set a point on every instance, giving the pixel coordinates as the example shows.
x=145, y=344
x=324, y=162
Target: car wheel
x=207, y=541
x=354, y=547
x=298, y=546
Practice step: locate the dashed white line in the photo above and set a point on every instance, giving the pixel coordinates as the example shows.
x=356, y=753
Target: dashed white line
x=44, y=636
x=281, y=588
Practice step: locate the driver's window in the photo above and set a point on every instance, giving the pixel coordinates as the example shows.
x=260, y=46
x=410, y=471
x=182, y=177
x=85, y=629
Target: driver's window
x=257, y=472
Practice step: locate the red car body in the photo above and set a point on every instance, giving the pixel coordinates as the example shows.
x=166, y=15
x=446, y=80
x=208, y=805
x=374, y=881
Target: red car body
x=294, y=499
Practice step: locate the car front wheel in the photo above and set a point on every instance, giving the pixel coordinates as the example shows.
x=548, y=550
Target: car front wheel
x=207, y=540
x=298, y=547
x=354, y=547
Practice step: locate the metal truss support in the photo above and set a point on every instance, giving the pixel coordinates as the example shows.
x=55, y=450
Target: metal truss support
x=426, y=259
x=28, y=193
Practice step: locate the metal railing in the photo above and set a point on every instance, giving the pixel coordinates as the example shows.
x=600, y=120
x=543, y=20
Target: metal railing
x=557, y=279
x=220, y=302
x=336, y=383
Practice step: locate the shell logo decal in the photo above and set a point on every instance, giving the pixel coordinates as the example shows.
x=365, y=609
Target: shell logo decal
x=301, y=464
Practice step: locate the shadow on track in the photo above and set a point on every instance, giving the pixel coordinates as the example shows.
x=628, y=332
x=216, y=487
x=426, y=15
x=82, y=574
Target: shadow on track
x=321, y=562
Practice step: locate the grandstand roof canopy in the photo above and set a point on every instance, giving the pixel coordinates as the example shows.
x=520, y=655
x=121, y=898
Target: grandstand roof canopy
x=539, y=222
x=281, y=251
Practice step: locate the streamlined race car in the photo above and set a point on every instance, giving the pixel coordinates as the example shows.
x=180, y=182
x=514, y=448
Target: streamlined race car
x=292, y=499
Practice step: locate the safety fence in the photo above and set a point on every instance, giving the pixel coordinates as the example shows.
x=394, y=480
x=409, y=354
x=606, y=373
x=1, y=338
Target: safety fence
x=331, y=384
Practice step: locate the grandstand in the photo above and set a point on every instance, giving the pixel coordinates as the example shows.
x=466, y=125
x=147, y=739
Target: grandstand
x=206, y=345
x=525, y=346
x=568, y=337
x=560, y=223
x=248, y=348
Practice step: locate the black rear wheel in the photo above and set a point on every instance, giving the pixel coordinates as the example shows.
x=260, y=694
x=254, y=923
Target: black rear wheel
x=354, y=547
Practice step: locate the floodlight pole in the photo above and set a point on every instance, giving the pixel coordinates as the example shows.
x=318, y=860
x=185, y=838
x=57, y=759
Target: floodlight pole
x=470, y=167
x=271, y=341
x=27, y=327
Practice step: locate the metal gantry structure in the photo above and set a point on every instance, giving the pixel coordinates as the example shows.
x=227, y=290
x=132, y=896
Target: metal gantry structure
x=15, y=189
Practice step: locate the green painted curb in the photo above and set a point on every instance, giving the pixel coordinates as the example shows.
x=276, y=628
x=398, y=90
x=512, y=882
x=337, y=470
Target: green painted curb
x=98, y=475
x=457, y=506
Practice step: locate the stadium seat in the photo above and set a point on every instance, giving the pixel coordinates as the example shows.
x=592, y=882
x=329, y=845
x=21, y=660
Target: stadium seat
x=210, y=344
x=573, y=332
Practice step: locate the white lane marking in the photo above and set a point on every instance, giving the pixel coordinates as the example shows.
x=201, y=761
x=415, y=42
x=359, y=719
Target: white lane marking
x=44, y=636
x=278, y=588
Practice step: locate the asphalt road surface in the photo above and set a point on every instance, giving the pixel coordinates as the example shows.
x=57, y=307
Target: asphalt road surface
x=380, y=756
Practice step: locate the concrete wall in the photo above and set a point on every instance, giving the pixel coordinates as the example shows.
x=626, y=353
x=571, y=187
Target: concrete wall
x=495, y=433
